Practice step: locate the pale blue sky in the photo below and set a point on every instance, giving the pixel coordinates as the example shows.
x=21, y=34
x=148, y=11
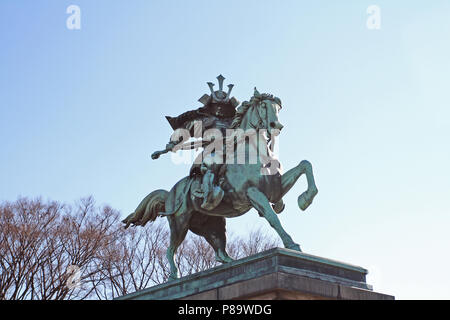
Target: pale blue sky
x=81, y=111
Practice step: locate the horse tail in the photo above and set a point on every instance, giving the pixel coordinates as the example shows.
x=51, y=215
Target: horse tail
x=149, y=209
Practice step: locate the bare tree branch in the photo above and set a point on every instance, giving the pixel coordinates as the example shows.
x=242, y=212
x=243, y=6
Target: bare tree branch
x=40, y=240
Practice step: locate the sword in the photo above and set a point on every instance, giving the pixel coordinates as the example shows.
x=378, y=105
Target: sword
x=175, y=147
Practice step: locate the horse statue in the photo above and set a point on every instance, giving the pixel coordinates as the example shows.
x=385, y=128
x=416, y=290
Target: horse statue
x=243, y=186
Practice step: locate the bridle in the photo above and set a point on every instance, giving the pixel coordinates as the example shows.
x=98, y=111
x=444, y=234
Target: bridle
x=260, y=124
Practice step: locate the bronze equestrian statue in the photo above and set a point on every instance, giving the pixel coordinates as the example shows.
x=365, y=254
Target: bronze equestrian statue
x=236, y=171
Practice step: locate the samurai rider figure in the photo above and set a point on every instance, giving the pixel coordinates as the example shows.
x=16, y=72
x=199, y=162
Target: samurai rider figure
x=217, y=112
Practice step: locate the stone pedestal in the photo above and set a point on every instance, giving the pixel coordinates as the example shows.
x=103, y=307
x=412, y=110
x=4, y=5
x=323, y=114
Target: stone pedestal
x=276, y=274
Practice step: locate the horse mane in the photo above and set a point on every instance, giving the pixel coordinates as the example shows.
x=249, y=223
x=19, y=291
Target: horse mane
x=254, y=101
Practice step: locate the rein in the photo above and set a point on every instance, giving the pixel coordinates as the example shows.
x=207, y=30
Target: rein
x=260, y=120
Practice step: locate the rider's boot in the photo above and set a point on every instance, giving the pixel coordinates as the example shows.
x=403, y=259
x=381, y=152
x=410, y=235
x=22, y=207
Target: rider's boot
x=212, y=195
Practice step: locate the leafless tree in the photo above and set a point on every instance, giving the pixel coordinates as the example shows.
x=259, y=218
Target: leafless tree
x=43, y=244
x=39, y=241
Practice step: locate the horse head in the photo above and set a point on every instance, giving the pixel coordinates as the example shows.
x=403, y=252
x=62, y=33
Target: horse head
x=260, y=113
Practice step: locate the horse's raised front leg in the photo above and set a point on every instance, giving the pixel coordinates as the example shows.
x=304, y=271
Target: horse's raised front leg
x=290, y=178
x=260, y=202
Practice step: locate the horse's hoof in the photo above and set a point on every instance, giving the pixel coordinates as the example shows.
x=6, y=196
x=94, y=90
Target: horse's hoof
x=295, y=247
x=173, y=277
x=224, y=260
x=302, y=202
x=278, y=207
x=306, y=198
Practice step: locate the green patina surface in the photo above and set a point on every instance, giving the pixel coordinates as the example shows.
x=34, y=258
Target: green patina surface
x=216, y=188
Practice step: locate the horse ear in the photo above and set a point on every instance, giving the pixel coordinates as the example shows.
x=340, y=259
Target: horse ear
x=256, y=93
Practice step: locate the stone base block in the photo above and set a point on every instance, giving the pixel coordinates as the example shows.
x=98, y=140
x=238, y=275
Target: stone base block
x=276, y=274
